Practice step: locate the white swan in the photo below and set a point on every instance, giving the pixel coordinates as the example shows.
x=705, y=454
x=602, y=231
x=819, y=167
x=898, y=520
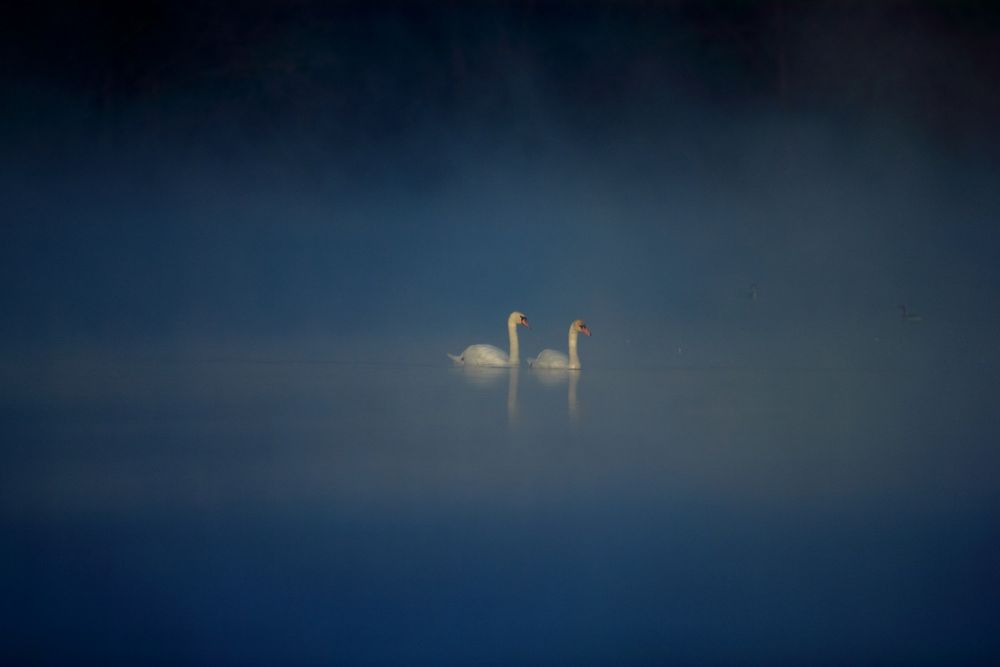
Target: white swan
x=554, y=359
x=488, y=355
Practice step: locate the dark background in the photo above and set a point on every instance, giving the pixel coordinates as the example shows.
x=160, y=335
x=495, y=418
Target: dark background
x=386, y=181
x=238, y=238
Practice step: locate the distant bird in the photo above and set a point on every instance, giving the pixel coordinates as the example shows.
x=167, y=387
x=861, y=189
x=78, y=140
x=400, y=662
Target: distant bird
x=489, y=355
x=555, y=359
x=750, y=293
x=907, y=316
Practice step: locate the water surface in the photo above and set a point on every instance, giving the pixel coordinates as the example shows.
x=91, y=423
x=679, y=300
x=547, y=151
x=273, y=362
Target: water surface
x=308, y=513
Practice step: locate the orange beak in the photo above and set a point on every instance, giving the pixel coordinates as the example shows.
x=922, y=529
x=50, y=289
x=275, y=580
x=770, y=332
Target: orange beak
x=524, y=321
x=585, y=330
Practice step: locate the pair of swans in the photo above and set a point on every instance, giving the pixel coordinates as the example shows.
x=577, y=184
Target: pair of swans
x=489, y=355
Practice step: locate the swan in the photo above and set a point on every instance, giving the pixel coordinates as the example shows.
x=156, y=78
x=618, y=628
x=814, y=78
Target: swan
x=554, y=359
x=488, y=355
x=909, y=317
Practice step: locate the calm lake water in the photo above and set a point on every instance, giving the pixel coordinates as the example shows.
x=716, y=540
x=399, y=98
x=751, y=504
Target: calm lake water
x=231, y=513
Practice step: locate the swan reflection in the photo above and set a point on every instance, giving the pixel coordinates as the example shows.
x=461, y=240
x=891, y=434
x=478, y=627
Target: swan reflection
x=556, y=377
x=512, y=396
x=483, y=376
x=486, y=376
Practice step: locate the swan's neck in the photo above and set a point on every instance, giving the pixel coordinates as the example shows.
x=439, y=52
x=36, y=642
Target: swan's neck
x=573, y=404
x=574, y=357
x=515, y=350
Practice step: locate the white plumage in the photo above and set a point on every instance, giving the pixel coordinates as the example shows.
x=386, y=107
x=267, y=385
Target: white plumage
x=554, y=359
x=490, y=355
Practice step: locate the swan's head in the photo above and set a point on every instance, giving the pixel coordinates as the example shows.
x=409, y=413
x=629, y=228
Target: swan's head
x=518, y=317
x=581, y=326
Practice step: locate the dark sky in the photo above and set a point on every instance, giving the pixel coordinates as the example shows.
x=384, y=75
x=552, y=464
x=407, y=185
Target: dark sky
x=388, y=181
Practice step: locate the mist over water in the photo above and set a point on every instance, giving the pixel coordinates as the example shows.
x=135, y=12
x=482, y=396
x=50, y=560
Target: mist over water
x=390, y=275
x=190, y=201
x=238, y=244
x=333, y=514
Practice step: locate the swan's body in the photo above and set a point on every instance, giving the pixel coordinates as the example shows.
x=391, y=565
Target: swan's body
x=490, y=355
x=483, y=355
x=556, y=359
x=550, y=359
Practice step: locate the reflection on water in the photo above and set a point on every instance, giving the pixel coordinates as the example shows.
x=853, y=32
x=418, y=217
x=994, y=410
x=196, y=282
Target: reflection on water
x=326, y=514
x=487, y=376
x=553, y=377
x=482, y=376
x=512, y=396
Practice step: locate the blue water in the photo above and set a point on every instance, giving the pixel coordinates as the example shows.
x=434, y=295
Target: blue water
x=249, y=513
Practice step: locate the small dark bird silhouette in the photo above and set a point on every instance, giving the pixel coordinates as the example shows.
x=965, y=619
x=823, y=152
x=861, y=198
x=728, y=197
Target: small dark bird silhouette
x=748, y=293
x=907, y=316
